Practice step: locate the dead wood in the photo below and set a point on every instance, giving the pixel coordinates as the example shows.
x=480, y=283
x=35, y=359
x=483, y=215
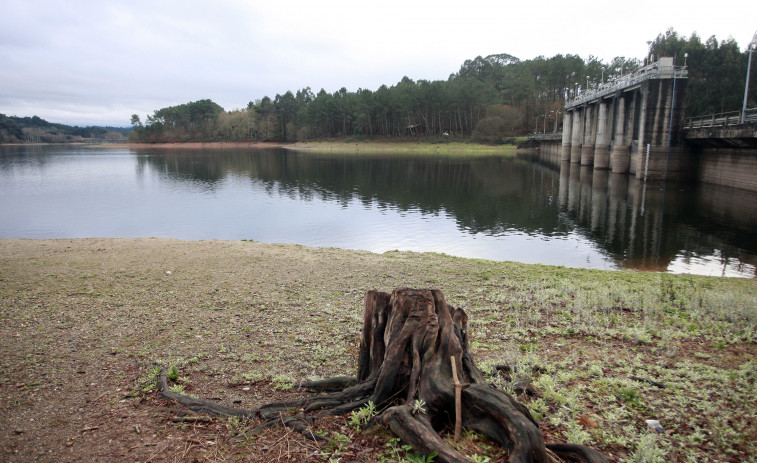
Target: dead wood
x=414, y=350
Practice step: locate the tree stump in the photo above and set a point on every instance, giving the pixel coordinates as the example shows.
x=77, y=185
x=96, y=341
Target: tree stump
x=412, y=342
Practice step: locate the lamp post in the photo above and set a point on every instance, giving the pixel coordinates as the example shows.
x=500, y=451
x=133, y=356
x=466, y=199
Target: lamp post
x=603, y=75
x=536, y=124
x=545, y=121
x=752, y=47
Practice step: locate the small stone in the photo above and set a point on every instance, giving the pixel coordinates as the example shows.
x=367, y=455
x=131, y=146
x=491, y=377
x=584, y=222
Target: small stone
x=18, y=431
x=246, y=388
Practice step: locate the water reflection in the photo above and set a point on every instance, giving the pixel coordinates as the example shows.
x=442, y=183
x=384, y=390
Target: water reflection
x=490, y=195
x=490, y=207
x=693, y=229
x=690, y=229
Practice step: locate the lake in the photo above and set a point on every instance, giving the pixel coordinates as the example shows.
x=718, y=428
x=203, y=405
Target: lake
x=491, y=207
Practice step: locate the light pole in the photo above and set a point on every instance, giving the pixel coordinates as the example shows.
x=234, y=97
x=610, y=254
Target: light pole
x=603, y=75
x=545, y=121
x=752, y=47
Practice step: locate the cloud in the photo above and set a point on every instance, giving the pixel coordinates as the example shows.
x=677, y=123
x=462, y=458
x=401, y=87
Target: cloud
x=93, y=62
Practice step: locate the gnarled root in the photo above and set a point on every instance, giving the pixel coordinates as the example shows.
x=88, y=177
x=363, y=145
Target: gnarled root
x=412, y=342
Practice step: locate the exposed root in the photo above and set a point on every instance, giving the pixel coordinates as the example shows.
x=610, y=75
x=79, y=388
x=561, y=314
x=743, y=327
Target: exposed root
x=412, y=342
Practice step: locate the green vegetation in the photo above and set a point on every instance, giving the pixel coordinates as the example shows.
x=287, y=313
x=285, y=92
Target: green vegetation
x=36, y=130
x=362, y=416
x=489, y=99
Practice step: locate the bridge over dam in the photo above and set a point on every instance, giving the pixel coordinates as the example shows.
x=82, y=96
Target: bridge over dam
x=636, y=125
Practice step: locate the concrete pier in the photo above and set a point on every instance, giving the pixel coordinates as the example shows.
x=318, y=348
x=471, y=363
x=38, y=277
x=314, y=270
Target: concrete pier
x=635, y=126
x=611, y=125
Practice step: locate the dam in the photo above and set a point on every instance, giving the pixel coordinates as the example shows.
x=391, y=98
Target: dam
x=637, y=125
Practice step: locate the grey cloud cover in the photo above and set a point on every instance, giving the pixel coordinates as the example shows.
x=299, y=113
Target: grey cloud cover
x=97, y=62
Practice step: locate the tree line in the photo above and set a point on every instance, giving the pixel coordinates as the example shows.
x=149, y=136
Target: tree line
x=489, y=99
x=14, y=129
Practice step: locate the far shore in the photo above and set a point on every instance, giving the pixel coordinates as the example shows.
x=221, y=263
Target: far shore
x=340, y=146
x=329, y=146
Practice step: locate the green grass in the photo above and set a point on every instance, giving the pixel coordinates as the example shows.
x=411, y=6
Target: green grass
x=422, y=146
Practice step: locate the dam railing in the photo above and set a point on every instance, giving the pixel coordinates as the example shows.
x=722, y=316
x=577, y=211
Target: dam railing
x=662, y=69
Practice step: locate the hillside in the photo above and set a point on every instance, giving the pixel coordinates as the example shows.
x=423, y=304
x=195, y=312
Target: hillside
x=34, y=129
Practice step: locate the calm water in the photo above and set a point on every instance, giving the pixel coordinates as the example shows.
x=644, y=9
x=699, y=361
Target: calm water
x=487, y=207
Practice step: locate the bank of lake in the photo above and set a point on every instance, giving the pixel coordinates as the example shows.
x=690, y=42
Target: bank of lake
x=83, y=322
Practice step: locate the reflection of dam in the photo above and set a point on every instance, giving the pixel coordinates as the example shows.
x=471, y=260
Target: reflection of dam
x=650, y=227
x=637, y=227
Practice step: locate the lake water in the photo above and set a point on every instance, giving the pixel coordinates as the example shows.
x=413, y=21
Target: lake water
x=490, y=207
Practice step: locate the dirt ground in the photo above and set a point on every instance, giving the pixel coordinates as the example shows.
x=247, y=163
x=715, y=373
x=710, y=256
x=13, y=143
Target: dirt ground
x=83, y=323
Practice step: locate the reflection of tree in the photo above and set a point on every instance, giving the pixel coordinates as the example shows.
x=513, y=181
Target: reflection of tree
x=492, y=195
x=484, y=194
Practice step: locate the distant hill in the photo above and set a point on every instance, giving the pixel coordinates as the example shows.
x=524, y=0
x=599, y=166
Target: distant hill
x=34, y=129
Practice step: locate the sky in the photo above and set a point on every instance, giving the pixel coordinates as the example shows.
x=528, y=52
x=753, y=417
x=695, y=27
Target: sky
x=97, y=62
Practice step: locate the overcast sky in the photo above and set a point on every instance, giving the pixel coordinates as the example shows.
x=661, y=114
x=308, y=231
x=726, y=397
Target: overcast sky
x=97, y=62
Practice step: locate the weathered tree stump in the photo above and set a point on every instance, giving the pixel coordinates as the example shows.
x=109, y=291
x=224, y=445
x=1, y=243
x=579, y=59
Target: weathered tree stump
x=412, y=340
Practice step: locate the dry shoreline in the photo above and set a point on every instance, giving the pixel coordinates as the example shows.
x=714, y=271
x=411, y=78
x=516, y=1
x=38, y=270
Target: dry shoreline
x=81, y=321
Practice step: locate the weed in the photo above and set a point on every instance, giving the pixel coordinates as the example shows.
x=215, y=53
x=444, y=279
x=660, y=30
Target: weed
x=416, y=458
x=419, y=406
x=647, y=450
x=177, y=389
x=283, y=382
x=173, y=373
x=395, y=449
x=629, y=395
x=361, y=417
x=236, y=425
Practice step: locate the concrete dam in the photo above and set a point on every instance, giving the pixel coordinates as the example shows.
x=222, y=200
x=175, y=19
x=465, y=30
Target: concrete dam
x=636, y=125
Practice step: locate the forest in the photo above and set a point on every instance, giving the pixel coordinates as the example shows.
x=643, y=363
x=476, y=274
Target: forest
x=34, y=129
x=489, y=99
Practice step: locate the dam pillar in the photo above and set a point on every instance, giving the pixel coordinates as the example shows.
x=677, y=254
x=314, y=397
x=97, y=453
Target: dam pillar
x=587, y=148
x=664, y=110
x=566, y=136
x=619, y=156
x=602, y=146
x=576, y=138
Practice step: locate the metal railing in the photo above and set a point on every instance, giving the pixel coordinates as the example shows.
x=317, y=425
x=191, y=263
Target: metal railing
x=652, y=71
x=728, y=119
